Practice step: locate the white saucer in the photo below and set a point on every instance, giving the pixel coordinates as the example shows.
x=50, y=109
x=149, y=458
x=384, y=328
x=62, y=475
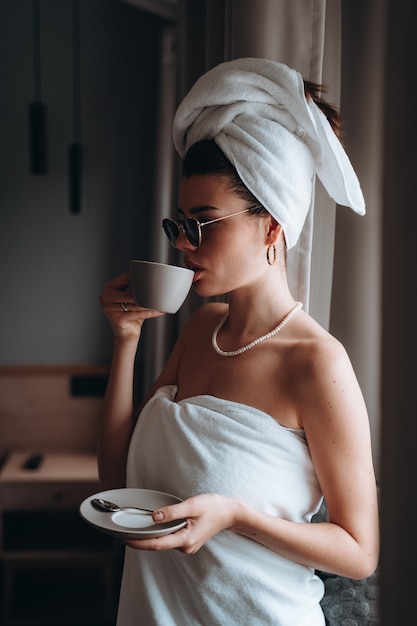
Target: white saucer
x=129, y=524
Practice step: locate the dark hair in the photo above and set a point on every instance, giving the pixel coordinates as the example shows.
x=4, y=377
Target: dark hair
x=205, y=157
x=314, y=92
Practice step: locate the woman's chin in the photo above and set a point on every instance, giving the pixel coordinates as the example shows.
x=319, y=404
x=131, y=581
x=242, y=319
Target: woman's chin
x=204, y=290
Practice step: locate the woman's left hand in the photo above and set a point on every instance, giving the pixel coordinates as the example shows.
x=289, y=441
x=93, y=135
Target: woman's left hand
x=206, y=515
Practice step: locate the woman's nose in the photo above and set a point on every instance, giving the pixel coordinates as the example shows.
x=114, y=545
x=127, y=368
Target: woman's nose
x=182, y=242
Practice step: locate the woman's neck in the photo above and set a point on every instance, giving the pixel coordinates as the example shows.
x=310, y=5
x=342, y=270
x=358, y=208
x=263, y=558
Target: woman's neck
x=256, y=311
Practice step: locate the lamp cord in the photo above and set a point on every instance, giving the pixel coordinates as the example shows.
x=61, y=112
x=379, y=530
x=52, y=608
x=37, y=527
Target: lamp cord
x=76, y=70
x=36, y=52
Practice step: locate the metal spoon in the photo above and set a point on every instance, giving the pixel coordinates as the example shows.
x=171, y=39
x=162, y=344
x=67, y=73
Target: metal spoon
x=110, y=507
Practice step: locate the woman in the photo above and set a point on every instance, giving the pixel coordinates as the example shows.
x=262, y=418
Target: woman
x=257, y=414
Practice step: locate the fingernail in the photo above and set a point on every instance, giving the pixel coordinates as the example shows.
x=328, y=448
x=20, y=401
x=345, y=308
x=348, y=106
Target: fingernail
x=158, y=516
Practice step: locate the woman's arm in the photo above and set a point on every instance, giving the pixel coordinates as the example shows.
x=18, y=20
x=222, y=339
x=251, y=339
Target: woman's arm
x=332, y=411
x=117, y=419
x=336, y=423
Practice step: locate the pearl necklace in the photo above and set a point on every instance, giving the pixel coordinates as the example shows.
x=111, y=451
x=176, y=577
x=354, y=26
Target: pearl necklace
x=255, y=341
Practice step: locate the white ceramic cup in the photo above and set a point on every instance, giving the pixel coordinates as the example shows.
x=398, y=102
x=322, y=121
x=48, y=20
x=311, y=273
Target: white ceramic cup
x=159, y=286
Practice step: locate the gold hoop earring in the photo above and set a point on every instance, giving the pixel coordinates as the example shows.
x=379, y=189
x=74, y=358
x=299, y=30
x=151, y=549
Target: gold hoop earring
x=271, y=254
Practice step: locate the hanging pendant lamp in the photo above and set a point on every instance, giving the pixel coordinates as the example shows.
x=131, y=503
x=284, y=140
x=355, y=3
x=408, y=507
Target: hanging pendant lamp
x=77, y=153
x=38, y=112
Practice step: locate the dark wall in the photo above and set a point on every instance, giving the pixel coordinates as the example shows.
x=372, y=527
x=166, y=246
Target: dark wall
x=399, y=340
x=53, y=263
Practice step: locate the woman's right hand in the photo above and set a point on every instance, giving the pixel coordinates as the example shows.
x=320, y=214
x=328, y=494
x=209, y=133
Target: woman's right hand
x=115, y=298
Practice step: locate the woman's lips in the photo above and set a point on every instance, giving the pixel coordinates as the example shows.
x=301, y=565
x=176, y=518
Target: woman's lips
x=197, y=270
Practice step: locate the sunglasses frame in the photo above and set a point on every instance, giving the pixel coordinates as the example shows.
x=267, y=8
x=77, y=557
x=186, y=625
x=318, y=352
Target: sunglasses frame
x=182, y=226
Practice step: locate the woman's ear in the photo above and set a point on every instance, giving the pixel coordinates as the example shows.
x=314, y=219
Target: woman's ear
x=273, y=230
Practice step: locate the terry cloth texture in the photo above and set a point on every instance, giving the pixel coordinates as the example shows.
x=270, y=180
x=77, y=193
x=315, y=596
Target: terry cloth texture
x=257, y=113
x=209, y=445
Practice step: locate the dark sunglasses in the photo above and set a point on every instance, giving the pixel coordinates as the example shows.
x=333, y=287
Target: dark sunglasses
x=190, y=227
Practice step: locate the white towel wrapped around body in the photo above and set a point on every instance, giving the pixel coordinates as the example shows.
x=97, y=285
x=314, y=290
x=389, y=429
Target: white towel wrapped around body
x=257, y=113
x=209, y=445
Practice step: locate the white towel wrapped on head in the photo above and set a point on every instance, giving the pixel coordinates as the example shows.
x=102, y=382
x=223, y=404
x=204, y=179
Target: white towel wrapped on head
x=258, y=115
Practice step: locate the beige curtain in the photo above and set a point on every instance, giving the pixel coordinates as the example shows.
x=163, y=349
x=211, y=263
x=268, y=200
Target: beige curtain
x=159, y=334
x=356, y=289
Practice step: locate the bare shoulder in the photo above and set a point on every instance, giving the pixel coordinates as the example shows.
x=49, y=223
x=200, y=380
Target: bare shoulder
x=320, y=353
x=325, y=384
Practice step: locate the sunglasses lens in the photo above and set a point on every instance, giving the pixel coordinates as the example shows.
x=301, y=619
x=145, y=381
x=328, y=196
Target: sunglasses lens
x=190, y=227
x=192, y=231
x=171, y=230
